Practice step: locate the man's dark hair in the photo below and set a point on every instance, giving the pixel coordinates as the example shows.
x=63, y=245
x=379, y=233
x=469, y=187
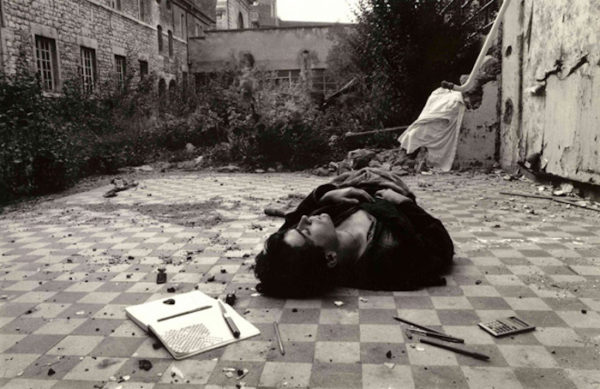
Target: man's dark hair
x=285, y=271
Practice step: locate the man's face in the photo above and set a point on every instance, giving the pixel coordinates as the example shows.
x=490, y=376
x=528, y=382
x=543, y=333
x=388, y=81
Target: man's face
x=316, y=230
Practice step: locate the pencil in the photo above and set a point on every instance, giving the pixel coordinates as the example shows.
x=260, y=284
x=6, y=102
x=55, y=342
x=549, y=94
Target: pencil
x=418, y=325
x=446, y=346
x=185, y=313
x=447, y=338
x=281, y=350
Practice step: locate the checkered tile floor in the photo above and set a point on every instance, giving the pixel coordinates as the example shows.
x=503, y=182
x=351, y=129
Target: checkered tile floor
x=69, y=267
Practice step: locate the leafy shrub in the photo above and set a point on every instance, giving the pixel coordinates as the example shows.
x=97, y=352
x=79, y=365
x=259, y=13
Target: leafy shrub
x=399, y=52
x=47, y=143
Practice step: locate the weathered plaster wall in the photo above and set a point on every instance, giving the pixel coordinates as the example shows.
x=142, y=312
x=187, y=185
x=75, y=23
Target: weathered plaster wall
x=478, y=133
x=552, y=77
x=272, y=49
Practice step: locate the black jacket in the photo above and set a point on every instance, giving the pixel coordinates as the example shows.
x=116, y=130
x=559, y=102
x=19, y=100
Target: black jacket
x=409, y=249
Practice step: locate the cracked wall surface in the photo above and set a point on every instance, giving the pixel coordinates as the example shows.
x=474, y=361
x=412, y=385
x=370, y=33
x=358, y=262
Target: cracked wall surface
x=550, y=86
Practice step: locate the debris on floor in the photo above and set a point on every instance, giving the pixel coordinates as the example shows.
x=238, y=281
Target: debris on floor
x=120, y=184
x=161, y=276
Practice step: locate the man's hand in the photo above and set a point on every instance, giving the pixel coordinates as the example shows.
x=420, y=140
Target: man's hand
x=392, y=196
x=346, y=196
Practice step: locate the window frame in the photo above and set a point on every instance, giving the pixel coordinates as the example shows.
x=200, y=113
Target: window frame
x=160, y=38
x=48, y=74
x=89, y=74
x=143, y=64
x=121, y=68
x=171, y=43
x=142, y=9
x=183, y=22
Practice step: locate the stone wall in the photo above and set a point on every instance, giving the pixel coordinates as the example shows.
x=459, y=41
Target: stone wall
x=94, y=24
x=228, y=12
x=551, y=87
x=272, y=48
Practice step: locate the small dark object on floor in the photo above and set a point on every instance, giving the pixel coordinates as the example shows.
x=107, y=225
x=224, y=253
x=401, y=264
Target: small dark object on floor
x=169, y=302
x=161, y=277
x=230, y=299
x=584, y=311
x=51, y=372
x=477, y=282
x=294, y=309
x=210, y=279
x=389, y=354
x=145, y=364
x=240, y=372
x=171, y=289
x=156, y=345
x=223, y=271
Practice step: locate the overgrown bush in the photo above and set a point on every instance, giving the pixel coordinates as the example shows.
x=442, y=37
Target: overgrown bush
x=399, y=52
x=47, y=143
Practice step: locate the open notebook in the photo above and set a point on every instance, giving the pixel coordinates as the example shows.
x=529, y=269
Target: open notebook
x=190, y=323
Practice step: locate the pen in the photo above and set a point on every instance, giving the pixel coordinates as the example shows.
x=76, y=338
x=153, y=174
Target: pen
x=446, y=346
x=417, y=325
x=230, y=323
x=281, y=350
x=447, y=338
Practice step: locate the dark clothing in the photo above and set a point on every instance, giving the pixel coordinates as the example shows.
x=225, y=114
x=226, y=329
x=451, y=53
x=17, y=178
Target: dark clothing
x=409, y=249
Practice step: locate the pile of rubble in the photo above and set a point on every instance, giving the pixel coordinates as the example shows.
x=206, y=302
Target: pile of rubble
x=396, y=160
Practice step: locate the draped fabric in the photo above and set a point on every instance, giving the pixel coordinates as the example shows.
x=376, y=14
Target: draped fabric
x=437, y=128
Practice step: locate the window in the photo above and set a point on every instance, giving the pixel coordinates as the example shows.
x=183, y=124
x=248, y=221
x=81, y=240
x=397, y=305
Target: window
x=240, y=21
x=142, y=4
x=162, y=91
x=285, y=77
x=170, y=33
x=46, y=61
x=160, y=38
x=121, y=68
x=88, y=68
x=184, y=81
x=115, y=4
x=182, y=17
x=172, y=90
x=197, y=30
x=322, y=83
x=1, y=15
x=143, y=68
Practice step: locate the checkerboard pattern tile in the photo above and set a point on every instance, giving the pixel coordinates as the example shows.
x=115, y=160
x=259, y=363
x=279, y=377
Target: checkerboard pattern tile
x=69, y=267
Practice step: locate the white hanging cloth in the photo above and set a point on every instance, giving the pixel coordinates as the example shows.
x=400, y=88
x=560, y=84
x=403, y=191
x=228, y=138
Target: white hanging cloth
x=437, y=128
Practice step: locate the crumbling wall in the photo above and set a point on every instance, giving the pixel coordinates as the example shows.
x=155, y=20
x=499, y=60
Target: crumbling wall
x=478, y=132
x=551, y=87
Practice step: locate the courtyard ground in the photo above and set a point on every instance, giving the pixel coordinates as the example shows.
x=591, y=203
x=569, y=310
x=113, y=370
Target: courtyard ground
x=71, y=263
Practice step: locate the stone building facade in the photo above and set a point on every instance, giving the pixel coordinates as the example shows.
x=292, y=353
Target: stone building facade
x=284, y=54
x=264, y=14
x=98, y=39
x=233, y=14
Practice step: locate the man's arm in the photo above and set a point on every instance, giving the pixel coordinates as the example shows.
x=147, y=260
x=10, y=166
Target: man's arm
x=392, y=196
x=327, y=194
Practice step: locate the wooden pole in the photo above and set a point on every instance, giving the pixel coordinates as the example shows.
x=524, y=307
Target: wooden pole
x=352, y=134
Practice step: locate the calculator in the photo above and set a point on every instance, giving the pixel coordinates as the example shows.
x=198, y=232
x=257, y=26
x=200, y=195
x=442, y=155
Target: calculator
x=506, y=326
